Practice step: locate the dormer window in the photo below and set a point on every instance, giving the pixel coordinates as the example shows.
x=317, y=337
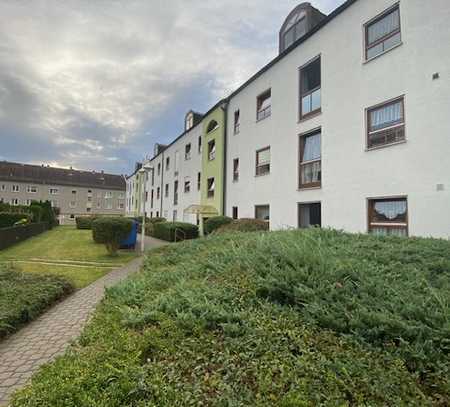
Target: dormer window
x=298, y=23
x=295, y=28
x=189, y=123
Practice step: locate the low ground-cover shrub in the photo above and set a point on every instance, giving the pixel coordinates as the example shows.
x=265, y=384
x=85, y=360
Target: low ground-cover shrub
x=174, y=231
x=84, y=222
x=215, y=222
x=8, y=219
x=244, y=225
x=238, y=319
x=111, y=232
x=23, y=296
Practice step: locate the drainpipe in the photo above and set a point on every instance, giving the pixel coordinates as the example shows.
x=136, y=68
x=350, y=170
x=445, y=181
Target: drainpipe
x=224, y=197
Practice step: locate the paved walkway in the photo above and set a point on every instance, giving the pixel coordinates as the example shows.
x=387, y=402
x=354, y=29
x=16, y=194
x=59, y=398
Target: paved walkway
x=40, y=341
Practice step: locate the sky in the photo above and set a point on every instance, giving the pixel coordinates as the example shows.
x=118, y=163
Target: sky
x=93, y=84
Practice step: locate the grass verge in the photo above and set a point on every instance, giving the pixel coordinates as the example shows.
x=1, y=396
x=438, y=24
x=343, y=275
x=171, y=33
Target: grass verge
x=298, y=318
x=64, y=244
x=24, y=296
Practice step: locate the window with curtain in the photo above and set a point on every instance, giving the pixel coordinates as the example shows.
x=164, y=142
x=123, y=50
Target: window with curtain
x=262, y=212
x=237, y=122
x=383, y=33
x=187, y=184
x=310, y=88
x=177, y=162
x=310, y=160
x=388, y=216
x=264, y=105
x=263, y=161
x=187, y=151
x=236, y=169
x=175, y=193
x=211, y=187
x=212, y=150
x=386, y=124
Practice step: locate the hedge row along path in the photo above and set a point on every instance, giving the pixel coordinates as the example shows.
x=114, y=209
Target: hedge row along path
x=65, y=264
x=48, y=336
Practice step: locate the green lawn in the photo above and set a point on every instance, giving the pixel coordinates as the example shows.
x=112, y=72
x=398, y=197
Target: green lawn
x=65, y=252
x=297, y=318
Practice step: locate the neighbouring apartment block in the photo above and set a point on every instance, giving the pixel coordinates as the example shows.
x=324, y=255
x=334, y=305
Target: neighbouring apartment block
x=346, y=128
x=73, y=192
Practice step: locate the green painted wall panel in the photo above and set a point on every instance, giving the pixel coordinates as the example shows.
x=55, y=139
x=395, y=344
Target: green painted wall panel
x=213, y=168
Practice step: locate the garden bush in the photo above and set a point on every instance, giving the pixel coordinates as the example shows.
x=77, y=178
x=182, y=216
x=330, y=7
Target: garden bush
x=171, y=231
x=150, y=224
x=215, y=222
x=8, y=219
x=295, y=318
x=111, y=232
x=244, y=225
x=84, y=222
x=23, y=296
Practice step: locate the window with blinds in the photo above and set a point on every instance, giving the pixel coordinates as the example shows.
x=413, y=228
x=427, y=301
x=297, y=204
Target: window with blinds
x=383, y=33
x=263, y=161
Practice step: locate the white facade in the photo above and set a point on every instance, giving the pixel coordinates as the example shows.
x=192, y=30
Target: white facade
x=170, y=166
x=418, y=168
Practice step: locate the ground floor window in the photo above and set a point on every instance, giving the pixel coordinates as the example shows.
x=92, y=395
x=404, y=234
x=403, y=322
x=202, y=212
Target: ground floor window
x=262, y=212
x=235, y=212
x=309, y=214
x=388, y=216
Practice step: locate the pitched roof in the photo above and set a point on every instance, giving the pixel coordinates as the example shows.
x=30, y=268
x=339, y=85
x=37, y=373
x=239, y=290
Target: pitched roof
x=38, y=174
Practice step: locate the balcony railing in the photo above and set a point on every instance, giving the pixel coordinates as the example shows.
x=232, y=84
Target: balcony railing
x=263, y=113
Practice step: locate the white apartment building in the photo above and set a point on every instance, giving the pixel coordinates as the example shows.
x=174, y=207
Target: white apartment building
x=348, y=128
x=173, y=179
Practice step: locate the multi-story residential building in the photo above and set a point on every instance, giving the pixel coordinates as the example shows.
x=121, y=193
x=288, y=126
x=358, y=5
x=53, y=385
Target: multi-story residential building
x=73, y=192
x=346, y=128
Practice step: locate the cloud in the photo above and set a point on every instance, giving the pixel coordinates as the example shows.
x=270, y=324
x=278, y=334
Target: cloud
x=85, y=82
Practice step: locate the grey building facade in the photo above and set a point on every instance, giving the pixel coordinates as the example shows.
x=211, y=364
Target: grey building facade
x=74, y=192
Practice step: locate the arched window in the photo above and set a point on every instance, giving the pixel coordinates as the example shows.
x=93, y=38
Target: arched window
x=213, y=125
x=294, y=29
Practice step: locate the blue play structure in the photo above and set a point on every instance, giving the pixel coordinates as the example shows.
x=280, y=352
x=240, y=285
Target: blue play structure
x=130, y=241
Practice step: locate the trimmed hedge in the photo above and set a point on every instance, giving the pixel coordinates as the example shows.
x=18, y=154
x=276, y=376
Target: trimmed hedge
x=16, y=234
x=244, y=225
x=216, y=222
x=174, y=231
x=111, y=232
x=38, y=211
x=150, y=224
x=84, y=222
x=8, y=219
x=24, y=296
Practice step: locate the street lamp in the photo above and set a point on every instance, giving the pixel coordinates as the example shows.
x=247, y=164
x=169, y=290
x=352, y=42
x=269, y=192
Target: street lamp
x=143, y=171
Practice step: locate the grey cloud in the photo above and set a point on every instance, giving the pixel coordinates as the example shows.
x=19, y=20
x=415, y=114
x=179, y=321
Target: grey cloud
x=87, y=76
